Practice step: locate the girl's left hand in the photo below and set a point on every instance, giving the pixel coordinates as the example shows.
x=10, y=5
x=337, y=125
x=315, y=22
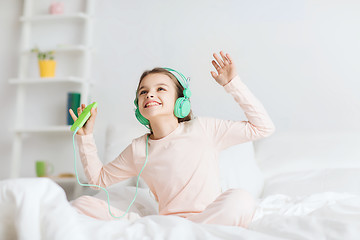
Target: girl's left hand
x=225, y=68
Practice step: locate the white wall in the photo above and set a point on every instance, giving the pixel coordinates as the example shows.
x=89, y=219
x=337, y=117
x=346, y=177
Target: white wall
x=300, y=58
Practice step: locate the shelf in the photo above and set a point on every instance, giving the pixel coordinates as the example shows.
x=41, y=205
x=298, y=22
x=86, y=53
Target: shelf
x=64, y=48
x=47, y=17
x=70, y=79
x=50, y=129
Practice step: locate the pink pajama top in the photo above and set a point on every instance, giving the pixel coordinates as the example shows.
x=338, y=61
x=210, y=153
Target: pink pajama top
x=182, y=169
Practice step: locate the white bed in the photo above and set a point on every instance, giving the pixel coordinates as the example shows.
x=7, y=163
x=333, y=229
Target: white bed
x=317, y=201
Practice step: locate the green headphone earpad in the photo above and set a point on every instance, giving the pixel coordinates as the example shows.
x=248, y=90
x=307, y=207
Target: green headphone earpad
x=182, y=107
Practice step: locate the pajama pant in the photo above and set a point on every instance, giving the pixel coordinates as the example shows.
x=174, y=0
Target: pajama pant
x=234, y=207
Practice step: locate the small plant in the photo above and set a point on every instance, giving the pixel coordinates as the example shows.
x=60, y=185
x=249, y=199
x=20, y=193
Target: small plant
x=48, y=55
x=46, y=62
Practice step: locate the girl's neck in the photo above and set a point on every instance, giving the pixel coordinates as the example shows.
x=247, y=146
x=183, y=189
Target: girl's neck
x=163, y=127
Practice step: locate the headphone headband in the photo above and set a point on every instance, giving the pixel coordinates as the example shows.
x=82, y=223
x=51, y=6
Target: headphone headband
x=184, y=83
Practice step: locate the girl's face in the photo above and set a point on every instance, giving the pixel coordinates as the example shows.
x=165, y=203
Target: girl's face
x=157, y=96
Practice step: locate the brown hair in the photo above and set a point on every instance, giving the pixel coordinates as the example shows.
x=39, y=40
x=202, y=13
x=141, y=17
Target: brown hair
x=179, y=87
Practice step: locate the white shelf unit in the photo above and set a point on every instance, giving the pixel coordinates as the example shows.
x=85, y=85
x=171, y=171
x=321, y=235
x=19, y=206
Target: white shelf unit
x=65, y=48
x=69, y=79
x=47, y=17
x=23, y=81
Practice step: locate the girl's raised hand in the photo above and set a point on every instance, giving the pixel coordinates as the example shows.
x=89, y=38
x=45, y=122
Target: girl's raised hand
x=89, y=125
x=225, y=68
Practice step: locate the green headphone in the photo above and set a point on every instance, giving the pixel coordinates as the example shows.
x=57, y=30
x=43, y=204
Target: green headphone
x=182, y=105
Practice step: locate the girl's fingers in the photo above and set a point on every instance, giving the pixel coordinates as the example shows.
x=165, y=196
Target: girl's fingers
x=72, y=114
x=228, y=57
x=221, y=63
x=216, y=65
x=93, y=112
x=79, y=111
x=226, y=61
x=213, y=74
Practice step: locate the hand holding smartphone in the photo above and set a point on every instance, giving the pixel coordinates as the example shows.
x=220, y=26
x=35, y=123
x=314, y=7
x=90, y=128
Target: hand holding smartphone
x=86, y=119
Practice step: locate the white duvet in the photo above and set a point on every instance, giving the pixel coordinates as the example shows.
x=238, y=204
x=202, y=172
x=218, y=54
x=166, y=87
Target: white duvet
x=32, y=208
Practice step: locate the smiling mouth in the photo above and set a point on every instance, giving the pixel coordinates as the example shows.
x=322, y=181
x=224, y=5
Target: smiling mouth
x=151, y=104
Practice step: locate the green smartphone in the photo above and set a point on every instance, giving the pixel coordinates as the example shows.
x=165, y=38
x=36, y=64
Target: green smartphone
x=84, y=116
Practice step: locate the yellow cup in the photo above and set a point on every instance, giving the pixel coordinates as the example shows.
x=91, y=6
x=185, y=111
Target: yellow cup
x=47, y=68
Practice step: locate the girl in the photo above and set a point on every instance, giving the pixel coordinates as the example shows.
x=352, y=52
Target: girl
x=182, y=171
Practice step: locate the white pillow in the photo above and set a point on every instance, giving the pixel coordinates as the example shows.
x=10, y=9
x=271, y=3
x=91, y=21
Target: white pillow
x=117, y=138
x=238, y=169
x=302, y=183
x=297, y=151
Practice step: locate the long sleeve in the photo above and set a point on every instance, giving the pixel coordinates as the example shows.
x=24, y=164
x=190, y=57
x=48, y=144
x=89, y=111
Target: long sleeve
x=227, y=133
x=119, y=169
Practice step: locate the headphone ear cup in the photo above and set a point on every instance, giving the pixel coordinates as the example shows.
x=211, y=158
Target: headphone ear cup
x=141, y=118
x=182, y=107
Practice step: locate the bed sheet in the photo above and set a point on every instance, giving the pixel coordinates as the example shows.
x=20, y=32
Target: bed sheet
x=34, y=208
x=327, y=215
